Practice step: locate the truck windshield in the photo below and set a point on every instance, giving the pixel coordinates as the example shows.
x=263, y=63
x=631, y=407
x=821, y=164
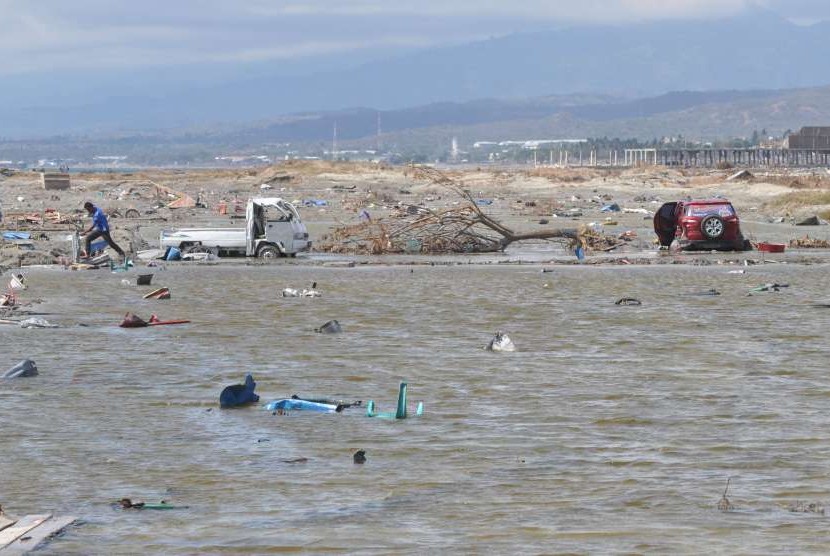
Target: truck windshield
x=706, y=210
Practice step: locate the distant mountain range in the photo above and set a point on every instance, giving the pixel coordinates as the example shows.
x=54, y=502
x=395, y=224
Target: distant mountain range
x=590, y=73
x=429, y=129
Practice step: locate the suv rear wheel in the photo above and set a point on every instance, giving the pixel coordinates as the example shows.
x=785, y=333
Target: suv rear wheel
x=712, y=226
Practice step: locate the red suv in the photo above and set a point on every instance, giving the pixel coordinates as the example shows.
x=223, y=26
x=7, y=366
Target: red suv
x=703, y=224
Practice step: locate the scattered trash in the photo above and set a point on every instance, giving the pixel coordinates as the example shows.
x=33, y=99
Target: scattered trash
x=305, y=292
x=30, y=532
x=121, y=267
x=613, y=207
x=125, y=282
x=544, y=221
x=160, y=293
x=770, y=287
x=807, y=507
x=484, y=202
x=767, y=247
x=500, y=342
x=580, y=253
x=25, y=368
x=359, y=457
x=35, y=322
x=711, y=292
x=18, y=282
x=331, y=327
x=724, y=504
x=810, y=221
x=11, y=236
x=628, y=301
x=737, y=272
x=807, y=242
x=284, y=405
x=128, y=504
x=134, y=321
x=8, y=299
x=743, y=175
x=239, y=394
x=144, y=279
x=400, y=412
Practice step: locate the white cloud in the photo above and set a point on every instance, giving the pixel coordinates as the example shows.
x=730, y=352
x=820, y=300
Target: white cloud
x=48, y=34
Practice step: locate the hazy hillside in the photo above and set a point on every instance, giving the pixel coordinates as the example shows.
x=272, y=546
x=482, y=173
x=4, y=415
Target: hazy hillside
x=430, y=128
x=759, y=51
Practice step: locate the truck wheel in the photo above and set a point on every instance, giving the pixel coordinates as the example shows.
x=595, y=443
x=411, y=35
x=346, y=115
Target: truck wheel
x=268, y=252
x=712, y=227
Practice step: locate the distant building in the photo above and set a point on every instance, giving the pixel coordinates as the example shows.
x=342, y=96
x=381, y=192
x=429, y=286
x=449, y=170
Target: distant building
x=816, y=138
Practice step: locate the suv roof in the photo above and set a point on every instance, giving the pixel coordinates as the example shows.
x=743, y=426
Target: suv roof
x=707, y=202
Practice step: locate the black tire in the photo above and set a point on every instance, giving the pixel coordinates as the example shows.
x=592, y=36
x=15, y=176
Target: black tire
x=268, y=252
x=712, y=226
x=132, y=213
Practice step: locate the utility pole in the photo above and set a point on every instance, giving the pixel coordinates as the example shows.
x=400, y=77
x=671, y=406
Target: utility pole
x=377, y=143
x=334, y=142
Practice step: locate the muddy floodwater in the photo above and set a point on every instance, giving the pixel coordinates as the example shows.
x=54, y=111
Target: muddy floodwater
x=610, y=429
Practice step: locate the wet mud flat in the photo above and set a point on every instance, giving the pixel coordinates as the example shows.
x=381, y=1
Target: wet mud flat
x=610, y=428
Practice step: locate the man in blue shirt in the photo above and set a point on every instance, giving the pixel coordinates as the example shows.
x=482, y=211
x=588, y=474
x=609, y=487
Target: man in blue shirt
x=101, y=227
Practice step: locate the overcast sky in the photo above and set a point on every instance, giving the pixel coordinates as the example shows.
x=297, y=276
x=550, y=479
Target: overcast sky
x=44, y=35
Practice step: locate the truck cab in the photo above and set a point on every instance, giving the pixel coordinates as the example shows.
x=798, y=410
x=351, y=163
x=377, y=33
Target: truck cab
x=274, y=228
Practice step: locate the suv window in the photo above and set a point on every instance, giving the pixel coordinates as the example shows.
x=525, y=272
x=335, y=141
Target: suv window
x=706, y=210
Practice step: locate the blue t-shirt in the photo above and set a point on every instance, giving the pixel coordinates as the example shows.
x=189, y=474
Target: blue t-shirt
x=100, y=220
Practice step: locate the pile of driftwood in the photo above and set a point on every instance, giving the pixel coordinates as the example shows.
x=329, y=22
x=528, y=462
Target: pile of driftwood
x=462, y=229
x=810, y=242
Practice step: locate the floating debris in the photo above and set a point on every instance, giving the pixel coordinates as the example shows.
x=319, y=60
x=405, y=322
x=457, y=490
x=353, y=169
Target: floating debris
x=501, y=342
x=724, y=504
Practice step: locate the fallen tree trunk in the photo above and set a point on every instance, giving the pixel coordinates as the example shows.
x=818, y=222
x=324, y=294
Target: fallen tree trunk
x=464, y=229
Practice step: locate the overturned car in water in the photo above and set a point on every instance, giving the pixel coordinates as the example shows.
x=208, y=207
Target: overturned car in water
x=706, y=224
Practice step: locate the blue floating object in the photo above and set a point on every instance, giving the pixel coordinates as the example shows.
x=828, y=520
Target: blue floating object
x=173, y=254
x=400, y=412
x=292, y=404
x=580, y=253
x=239, y=394
x=121, y=267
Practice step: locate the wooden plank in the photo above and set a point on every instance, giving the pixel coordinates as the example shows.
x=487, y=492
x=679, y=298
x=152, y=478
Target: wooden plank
x=8, y=535
x=36, y=536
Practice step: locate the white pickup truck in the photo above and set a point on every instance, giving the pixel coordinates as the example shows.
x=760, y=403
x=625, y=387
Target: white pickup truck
x=273, y=228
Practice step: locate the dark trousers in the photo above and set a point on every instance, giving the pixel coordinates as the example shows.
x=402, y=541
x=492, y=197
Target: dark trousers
x=106, y=235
